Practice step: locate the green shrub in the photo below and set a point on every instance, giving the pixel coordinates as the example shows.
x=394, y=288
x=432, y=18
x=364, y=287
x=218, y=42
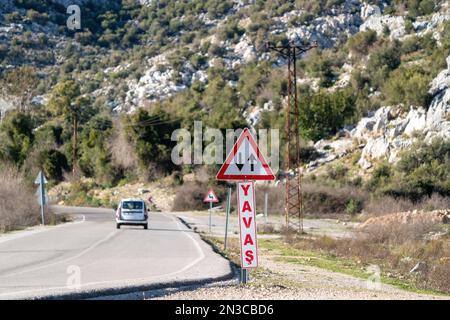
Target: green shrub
x=408, y=85
x=324, y=113
x=382, y=61
x=16, y=137
x=422, y=171
x=37, y=17
x=361, y=42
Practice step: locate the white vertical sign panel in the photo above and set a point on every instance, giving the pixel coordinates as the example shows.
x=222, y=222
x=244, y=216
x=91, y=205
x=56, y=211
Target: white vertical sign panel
x=247, y=224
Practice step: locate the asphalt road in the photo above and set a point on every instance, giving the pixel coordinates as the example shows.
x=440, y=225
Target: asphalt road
x=90, y=257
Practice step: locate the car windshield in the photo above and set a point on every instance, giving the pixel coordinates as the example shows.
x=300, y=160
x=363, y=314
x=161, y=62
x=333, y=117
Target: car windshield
x=132, y=205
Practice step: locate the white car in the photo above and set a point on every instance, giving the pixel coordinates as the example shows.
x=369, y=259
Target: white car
x=132, y=212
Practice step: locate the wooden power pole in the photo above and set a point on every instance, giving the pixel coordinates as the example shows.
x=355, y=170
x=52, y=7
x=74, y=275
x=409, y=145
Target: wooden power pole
x=293, y=201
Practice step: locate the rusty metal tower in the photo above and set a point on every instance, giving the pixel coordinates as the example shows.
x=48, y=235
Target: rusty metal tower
x=293, y=201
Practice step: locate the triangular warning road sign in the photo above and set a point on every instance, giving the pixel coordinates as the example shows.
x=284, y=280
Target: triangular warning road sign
x=245, y=161
x=211, y=196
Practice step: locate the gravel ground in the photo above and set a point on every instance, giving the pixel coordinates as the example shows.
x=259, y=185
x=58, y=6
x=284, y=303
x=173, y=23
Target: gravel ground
x=199, y=220
x=290, y=281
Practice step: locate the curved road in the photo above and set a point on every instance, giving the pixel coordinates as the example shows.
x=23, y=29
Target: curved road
x=91, y=257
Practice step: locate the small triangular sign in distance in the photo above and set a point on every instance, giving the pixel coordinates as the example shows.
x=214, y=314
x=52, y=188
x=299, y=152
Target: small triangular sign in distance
x=245, y=161
x=211, y=196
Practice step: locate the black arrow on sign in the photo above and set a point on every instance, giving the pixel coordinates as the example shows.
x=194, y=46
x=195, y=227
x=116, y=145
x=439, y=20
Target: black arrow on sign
x=240, y=164
x=252, y=160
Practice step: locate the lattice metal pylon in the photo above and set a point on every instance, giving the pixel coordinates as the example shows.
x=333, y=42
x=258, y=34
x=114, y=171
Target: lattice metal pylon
x=293, y=200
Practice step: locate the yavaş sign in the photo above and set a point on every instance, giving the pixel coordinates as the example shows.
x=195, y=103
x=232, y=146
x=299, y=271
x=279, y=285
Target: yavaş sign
x=247, y=224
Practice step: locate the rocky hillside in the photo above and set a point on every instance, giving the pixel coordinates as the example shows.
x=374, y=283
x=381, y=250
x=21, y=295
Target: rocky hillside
x=384, y=133
x=137, y=70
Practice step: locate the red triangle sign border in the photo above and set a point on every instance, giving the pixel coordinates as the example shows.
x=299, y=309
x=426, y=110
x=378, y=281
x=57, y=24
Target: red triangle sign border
x=206, y=199
x=221, y=174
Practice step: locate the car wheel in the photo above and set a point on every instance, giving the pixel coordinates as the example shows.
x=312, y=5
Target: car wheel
x=145, y=226
x=118, y=226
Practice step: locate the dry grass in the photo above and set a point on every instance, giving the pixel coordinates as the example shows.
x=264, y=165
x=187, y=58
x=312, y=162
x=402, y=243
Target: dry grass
x=396, y=248
x=189, y=196
x=397, y=232
x=385, y=204
x=18, y=204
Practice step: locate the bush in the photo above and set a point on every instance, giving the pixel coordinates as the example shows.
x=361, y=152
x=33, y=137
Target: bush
x=382, y=61
x=18, y=203
x=423, y=170
x=16, y=137
x=37, y=17
x=321, y=65
x=323, y=114
x=360, y=42
x=190, y=197
x=322, y=199
x=408, y=86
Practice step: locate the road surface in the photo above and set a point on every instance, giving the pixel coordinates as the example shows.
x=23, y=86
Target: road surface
x=90, y=257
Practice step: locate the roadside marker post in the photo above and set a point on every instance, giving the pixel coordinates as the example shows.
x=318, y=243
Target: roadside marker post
x=227, y=217
x=42, y=195
x=211, y=198
x=244, y=164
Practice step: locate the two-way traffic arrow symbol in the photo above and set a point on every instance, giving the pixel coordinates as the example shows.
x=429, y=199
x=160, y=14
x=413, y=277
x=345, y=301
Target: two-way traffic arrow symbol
x=240, y=164
x=252, y=160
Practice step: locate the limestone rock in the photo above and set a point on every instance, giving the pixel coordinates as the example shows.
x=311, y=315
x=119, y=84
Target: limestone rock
x=369, y=10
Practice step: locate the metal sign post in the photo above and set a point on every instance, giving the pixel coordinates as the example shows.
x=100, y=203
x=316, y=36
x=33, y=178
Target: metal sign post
x=266, y=198
x=210, y=197
x=210, y=212
x=227, y=217
x=42, y=198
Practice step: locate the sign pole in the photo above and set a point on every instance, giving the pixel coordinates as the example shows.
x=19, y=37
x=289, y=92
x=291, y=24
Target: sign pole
x=210, y=211
x=210, y=197
x=42, y=194
x=244, y=277
x=266, y=198
x=227, y=217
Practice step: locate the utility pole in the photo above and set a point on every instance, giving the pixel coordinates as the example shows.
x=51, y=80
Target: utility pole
x=293, y=201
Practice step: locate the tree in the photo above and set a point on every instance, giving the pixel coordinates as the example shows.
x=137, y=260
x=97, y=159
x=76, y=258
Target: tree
x=221, y=102
x=63, y=96
x=16, y=137
x=150, y=133
x=323, y=113
x=54, y=163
